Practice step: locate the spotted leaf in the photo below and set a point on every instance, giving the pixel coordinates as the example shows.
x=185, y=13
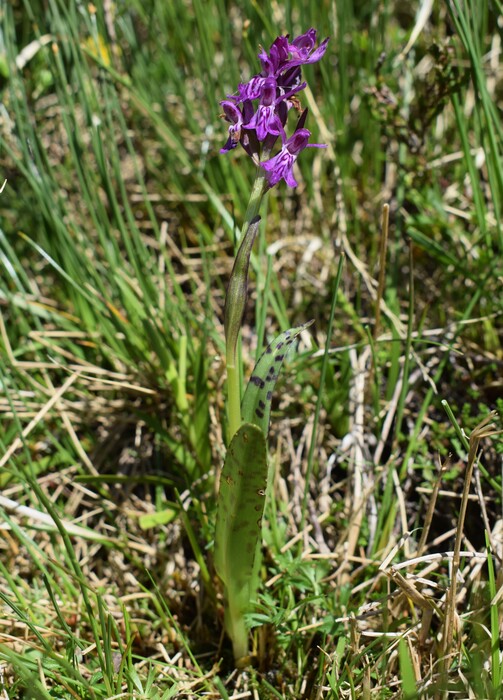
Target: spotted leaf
x=241, y=499
x=256, y=404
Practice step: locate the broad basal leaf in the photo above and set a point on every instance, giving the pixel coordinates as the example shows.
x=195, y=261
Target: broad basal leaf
x=241, y=502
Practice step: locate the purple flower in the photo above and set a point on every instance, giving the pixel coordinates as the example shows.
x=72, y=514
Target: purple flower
x=280, y=167
x=234, y=115
x=237, y=130
x=290, y=78
x=252, y=89
x=278, y=55
x=267, y=119
x=302, y=47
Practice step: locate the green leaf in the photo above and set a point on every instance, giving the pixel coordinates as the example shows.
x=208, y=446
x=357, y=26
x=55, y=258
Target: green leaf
x=256, y=404
x=409, y=687
x=241, y=500
x=235, y=299
x=200, y=412
x=163, y=517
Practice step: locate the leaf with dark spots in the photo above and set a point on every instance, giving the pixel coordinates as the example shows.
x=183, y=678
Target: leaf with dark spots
x=256, y=404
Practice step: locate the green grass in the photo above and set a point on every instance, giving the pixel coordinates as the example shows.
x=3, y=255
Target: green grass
x=118, y=223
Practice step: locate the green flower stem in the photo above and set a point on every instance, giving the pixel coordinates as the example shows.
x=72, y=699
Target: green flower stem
x=237, y=629
x=256, y=196
x=235, y=304
x=233, y=397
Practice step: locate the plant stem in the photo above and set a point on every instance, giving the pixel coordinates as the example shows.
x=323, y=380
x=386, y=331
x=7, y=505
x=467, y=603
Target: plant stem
x=237, y=629
x=233, y=396
x=253, y=207
x=232, y=348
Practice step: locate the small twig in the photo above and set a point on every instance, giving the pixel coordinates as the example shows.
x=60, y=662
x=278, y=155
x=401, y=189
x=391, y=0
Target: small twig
x=484, y=429
x=482, y=504
x=431, y=507
x=382, y=268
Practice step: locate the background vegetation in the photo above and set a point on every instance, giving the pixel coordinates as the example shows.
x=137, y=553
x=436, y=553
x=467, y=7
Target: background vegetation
x=116, y=236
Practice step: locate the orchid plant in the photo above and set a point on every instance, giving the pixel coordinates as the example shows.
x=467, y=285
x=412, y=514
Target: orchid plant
x=258, y=115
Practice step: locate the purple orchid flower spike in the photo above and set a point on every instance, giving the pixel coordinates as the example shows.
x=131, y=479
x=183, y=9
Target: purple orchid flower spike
x=257, y=127
x=280, y=167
